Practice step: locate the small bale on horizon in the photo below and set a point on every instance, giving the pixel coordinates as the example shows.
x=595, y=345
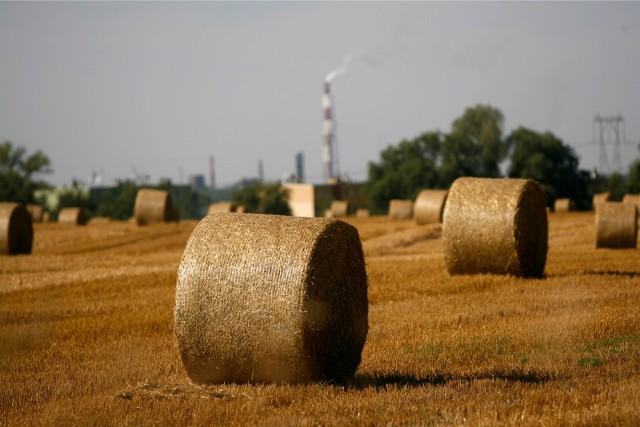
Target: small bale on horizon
x=632, y=198
x=616, y=225
x=400, y=209
x=363, y=213
x=269, y=298
x=154, y=206
x=600, y=198
x=429, y=206
x=36, y=212
x=73, y=216
x=495, y=225
x=223, y=206
x=339, y=208
x=563, y=205
x=16, y=229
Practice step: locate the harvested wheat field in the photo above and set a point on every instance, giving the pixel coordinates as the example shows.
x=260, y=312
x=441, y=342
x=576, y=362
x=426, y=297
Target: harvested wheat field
x=86, y=336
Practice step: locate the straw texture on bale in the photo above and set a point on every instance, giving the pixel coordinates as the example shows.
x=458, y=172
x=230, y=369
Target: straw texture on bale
x=616, y=225
x=267, y=298
x=36, y=212
x=153, y=206
x=339, y=208
x=632, y=198
x=563, y=205
x=16, y=229
x=400, y=209
x=495, y=226
x=429, y=206
x=222, y=207
x=74, y=216
x=600, y=198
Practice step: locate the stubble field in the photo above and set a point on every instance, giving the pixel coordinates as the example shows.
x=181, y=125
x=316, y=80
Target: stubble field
x=86, y=336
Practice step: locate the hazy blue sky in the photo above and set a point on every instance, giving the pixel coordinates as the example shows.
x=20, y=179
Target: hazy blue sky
x=157, y=87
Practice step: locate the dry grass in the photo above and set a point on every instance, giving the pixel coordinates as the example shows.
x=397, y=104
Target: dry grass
x=86, y=338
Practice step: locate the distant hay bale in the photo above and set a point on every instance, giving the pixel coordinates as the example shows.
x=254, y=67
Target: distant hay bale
x=241, y=209
x=600, y=198
x=223, y=206
x=363, y=213
x=632, y=198
x=73, y=216
x=400, y=209
x=153, y=206
x=616, y=225
x=268, y=298
x=495, y=226
x=16, y=229
x=563, y=205
x=340, y=208
x=46, y=217
x=328, y=213
x=36, y=212
x=429, y=206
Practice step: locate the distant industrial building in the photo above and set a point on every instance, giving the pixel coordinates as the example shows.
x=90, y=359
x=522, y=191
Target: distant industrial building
x=196, y=181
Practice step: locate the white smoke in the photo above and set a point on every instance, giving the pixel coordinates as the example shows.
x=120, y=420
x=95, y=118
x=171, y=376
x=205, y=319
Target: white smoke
x=357, y=55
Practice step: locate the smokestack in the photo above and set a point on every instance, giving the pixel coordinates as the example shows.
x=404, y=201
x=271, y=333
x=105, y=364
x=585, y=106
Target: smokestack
x=260, y=171
x=300, y=166
x=212, y=173
x=327, y=133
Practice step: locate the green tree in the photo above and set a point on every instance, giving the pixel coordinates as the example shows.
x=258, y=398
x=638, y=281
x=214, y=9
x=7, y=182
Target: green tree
x=633, y=182
x=119, y=204
x=263, y=198
x=18, y=171
x=404, y=170
x=476, y=146
x=545, y=158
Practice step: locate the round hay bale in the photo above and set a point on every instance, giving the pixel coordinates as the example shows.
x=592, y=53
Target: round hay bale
x=328, y=213
x=268, y=298
x=153, y=206
x=74, y=216
x=563, y=205
x=600, y=198
x=46, y=217
x=16, y=229
x=363, y=213
x=495, y=226
x=340, y=208
x=429, y=206
x=36, y=212
x=241, y=209
x=400, y=209
x=616, y=225
x=632, y=198
x=222, y=207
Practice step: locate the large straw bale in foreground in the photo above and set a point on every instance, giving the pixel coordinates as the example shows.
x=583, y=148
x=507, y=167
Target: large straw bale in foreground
x=223, y=206
x=16, y=229
x=495, y=226
x=563, y=205
x=266, y=298
x=73, y=216
x=339, y=208
x=429, y=206
x=616, y=225
x=400, y=209
x=153, y=206
x=632, y=198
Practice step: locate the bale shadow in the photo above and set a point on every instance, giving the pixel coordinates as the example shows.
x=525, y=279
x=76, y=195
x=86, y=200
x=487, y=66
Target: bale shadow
x=379, y=381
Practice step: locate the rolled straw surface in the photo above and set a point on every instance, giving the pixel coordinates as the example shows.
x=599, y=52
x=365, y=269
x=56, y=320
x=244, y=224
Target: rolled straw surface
x=222, y=207
x=400, y=209
x=616, y=225
x=632, y=198
x=267, y=298
x=75, y=216
x=429, y=206
x=340, y=208
x=600, y=198
x=153, y=206
x=495, y=226
x=16, y=229
x=563, y=205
